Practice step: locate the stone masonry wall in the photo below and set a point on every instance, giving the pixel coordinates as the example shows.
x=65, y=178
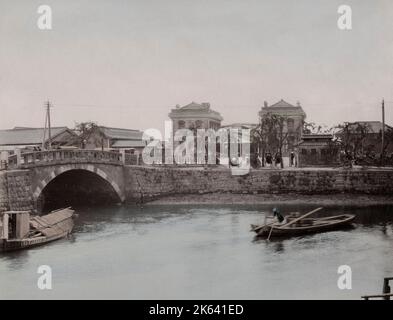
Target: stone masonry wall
x=3, y=192
x=15, y=190
x=144, y=183
x=153, y=182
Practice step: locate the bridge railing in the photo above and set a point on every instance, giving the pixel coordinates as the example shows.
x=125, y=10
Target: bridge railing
x=64, y=156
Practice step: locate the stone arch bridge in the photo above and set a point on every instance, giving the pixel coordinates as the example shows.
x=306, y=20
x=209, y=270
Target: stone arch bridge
x=32, y=177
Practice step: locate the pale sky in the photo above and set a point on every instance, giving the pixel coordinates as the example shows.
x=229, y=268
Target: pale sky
x=126, y=63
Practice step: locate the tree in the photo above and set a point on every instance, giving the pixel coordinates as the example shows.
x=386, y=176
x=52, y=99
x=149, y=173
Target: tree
x=282, y=137
x=351, y=137
x=313, y=128
x=271, y=135
x=263, y=135
x=87, y=130
x=259, y=140
x=388, y=140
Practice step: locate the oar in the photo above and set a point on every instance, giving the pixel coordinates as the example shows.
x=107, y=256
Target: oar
x=262, y=226
x=302, y=217
x=270, y=233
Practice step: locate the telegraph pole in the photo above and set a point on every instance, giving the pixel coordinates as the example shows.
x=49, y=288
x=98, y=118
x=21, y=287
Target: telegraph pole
x=47, y=125
x=383, y=129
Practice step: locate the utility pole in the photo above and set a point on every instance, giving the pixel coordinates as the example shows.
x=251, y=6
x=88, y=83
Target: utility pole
x=383, y=129
x=47, y=125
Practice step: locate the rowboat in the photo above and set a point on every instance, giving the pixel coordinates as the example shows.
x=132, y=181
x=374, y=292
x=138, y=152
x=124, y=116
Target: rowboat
x=21, y=230
x=303, y=226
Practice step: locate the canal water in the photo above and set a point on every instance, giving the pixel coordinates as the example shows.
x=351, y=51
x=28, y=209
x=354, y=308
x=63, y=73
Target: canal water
x=202, y=252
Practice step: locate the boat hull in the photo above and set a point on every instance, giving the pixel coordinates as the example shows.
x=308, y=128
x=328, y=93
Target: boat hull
x=320, y=225
x=13, y=245
x=48, y=228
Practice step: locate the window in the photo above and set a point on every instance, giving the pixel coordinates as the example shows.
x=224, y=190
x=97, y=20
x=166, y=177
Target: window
x=313, y=151
x=181, y=124
x=199, y=124
x=304, y=152
x=213, y=125
x=290, y=124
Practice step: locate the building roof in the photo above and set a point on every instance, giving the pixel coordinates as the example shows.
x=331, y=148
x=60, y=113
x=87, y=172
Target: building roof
x=28, y=136
x=129, y=144
x=121, y=134
x=196, y=106
x=283, y=104
x=284, y=108
x=317, y=136
x=195, y=110
x=312, y=139
x=372, y=126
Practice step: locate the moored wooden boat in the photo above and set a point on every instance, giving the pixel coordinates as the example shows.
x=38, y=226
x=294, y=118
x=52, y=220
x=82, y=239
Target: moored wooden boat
x=19, y=230
x=304, y=226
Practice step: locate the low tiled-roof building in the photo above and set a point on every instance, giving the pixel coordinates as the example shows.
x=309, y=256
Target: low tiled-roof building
x=372, y=126
x=26, y=138
x=317, y=150
x=370, y=134
x=107, y=138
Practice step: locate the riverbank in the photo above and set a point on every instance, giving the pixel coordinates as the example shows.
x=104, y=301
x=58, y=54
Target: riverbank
x=230, y=198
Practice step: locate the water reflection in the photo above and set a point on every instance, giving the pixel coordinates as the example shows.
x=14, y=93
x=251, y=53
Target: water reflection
x=278, y=246
x=15, y=260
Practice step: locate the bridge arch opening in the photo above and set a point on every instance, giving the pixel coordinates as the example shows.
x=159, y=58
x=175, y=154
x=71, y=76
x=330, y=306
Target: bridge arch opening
x=76, y=188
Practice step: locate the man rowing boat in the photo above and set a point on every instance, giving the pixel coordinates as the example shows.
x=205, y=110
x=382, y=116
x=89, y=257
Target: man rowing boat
x=276, y=214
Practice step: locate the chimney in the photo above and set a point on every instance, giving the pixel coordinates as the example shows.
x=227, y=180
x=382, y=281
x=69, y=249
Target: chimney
x=178, y=106
x=265, y=104
x=298, y=103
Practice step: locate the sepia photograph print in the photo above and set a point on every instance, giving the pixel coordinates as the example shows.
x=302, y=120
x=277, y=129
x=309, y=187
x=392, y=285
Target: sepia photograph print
x=196, y=151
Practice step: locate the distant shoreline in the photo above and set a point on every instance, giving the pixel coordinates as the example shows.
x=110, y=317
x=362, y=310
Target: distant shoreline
x=231, y=198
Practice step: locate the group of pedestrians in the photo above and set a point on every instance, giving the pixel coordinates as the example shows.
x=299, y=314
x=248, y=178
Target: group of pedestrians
x=277, y=159
x=273, y=161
